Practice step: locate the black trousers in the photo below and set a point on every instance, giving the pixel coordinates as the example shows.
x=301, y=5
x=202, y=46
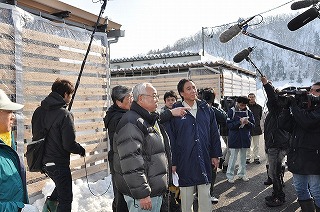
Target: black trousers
x=275, y=158
x=61, y=176
x=118, y=204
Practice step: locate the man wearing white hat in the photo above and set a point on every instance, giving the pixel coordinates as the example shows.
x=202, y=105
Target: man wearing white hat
x=13, y=195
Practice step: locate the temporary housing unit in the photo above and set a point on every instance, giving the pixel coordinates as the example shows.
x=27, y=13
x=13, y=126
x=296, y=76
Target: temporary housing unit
x=41, y=41
x=224, y=77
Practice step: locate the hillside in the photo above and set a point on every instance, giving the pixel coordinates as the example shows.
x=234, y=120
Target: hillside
x=276, y=63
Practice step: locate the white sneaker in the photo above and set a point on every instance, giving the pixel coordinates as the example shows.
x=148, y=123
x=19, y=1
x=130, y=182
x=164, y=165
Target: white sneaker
x=231, y=180
x=245, y=179
x=214, y=200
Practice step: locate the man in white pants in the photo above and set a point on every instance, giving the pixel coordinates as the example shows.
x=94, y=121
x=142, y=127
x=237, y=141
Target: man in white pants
x=253, y=151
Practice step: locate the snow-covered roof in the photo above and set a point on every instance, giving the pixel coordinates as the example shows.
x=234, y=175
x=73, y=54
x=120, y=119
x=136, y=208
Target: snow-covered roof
x=155, y=56
x=194, y=64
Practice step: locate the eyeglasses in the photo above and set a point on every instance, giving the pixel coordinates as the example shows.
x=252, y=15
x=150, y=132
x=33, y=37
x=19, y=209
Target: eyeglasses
x=154, y=96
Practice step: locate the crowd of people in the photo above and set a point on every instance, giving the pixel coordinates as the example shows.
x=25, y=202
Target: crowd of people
x=176, y=149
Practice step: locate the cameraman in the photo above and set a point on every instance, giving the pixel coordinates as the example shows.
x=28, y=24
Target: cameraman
x=304, y=152
x=276, y=144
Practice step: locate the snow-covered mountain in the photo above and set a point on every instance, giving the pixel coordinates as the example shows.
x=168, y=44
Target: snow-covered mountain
x=276, y=63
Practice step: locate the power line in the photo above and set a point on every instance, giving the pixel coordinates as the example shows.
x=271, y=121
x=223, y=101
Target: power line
x=255, y=15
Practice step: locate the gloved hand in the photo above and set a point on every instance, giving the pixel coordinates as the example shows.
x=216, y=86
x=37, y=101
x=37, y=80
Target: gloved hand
x=82, y=151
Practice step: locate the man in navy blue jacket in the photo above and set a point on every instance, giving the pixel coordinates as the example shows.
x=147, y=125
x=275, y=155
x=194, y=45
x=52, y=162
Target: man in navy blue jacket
x=195, y=143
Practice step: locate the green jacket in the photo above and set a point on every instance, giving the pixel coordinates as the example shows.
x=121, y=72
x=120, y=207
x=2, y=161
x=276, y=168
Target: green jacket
x=13, y=192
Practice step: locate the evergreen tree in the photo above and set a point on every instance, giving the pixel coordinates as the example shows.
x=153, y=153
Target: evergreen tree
x=299, y=79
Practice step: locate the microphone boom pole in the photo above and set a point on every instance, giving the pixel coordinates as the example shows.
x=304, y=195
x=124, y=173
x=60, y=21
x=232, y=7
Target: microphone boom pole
x=253, y=65
x=103, y=6
x=281, y=46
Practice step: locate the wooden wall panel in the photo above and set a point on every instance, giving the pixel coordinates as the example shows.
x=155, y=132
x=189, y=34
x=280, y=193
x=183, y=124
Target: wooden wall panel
x=43, y=59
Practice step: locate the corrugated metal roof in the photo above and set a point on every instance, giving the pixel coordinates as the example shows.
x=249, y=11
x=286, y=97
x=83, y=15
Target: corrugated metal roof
x=154, y=56
x=194, y=64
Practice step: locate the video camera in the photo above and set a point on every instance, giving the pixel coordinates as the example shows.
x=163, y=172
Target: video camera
x=301, y=95
x=206, y=94
x=228, y=102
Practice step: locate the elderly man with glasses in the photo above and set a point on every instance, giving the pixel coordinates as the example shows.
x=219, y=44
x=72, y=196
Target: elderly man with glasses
x=141, y=152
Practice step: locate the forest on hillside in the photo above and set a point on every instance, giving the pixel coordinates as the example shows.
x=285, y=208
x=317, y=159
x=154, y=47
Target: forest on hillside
x=276, y=63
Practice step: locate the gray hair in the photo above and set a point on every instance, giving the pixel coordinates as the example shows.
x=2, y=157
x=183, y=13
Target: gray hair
x=139, y=89
x=119, y=92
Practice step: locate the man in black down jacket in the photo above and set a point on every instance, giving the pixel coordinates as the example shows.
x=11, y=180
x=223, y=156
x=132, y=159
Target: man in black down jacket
x=276, y=143
x=53, y=116
x=141, y=152
x=304, y=152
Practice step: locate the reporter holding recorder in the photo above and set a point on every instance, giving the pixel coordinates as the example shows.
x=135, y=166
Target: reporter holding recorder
x=304, y=150
x=53, y=116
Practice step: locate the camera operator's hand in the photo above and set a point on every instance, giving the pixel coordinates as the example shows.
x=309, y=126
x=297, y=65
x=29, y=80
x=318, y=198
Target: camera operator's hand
x=264, y=80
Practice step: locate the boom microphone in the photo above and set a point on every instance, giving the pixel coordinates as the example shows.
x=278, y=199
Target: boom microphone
x=302, y=4
x=233, y=31
x=303, y=19
x=242, y=55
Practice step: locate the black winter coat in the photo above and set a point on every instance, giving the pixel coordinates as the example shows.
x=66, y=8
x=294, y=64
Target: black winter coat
x=111, y=120
x=257, y=114
x=61, y=138
x=304, y=152
x=140, y=155
x=274, y=136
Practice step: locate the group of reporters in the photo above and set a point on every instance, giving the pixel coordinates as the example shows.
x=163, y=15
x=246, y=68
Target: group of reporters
x=147, y=147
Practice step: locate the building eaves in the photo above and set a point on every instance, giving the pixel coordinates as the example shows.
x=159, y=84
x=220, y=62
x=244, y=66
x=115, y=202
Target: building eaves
x=194, y=64
x=154, y=57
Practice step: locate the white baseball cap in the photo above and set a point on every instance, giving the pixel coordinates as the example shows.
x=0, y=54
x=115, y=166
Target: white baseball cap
x=7, y=104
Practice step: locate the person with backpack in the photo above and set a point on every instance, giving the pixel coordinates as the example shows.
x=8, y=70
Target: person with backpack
x=52, y=116
x=276, y=144
x=240, y=121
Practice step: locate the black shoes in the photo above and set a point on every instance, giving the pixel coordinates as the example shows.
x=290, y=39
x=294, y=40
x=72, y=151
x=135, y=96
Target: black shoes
x=221, y=161
x=247, y=161
x=214, y=200
x=268, y=182
x=256, y=161
x=273, y=201
x=224, y=169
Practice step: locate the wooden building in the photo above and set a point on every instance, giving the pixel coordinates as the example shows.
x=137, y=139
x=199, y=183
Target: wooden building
x=165, y=70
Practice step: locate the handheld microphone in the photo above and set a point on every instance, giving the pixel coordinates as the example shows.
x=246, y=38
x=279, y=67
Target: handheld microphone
x=242, y=55
x=303, y=19
x=303, y=4
x=233, y=31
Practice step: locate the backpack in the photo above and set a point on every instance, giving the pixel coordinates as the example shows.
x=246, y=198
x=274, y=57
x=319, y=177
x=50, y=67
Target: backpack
x=34, y=155
x=35, y=152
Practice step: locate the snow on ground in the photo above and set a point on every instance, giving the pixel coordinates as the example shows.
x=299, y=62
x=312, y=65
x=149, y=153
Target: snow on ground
x=83, y=199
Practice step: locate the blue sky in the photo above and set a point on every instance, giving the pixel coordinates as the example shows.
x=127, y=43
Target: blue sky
x=151, y=24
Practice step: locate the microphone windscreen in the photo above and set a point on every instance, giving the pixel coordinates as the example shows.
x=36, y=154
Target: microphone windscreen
x=241, y=55
x=301, y=4
x=303, y=19
x=229, y=33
